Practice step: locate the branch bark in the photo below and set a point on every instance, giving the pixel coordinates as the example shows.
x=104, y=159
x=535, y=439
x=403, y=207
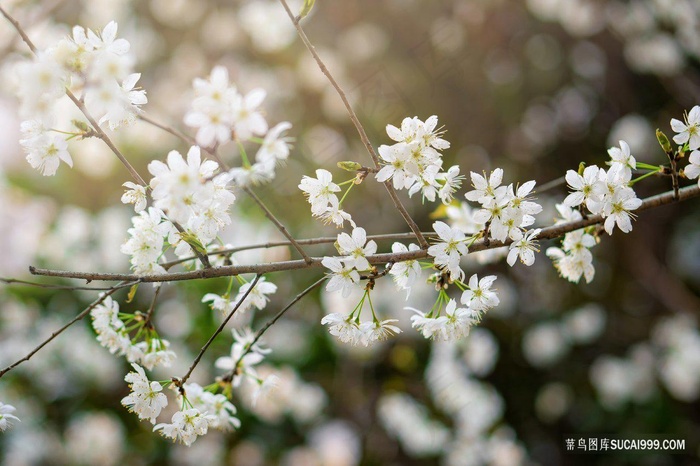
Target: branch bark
x=358, y=126
x=550, y=232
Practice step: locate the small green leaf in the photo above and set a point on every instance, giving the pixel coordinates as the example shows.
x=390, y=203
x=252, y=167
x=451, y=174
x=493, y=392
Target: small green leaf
x=663, y=141
x=308, y=5
x=132, y=293
x=581, y=167
x=193, y=241
x=349, y=166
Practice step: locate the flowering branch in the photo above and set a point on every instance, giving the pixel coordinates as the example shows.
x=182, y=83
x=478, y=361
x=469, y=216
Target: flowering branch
x=305, y=242
x=360, y=129
x=96, y=129
x=279, y=225
x=182, y=381
x=554, y=231
x=228, y=377
x=212, y=151
x=80, y=316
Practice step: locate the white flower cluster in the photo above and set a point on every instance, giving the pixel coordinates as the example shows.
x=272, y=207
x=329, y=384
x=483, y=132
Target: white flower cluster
x=206, y=411
x=6, y=416
x=147, y=237
x=245, y=369
x=689, y=133
x=574, y=259
x=345, y=270
x=507, y=210
x=256, y=298
x=345, y=277
x=95, y=63
x=221, y=114
x=219, y=109
x=607, y=193
x=146, y=398
x=320, y=192
x=405, y=273
x=449, y=250
x=185, y=426
x=113, y=334
x=189, y=193
x=478, y=297
x=349, y=329
x=414, y=162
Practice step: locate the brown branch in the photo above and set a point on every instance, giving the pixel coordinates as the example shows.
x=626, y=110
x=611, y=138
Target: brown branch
x=279, y=225
x=169, y=129
x=551, y=232
x=358, y=126
x=80, y=316
x=19, y=29
x=305, y=242
x=213, y=152
x=13, y=281
x=97, y=131
x=229, y=376
x=182, y=381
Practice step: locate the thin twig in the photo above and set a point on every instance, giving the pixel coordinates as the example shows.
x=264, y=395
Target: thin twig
x=551, y=184
x=47, y=9
x=12, y=281
x=358, y=126
x=97, y=130
x=229, y=376
x=277, y=223
x=214, y=153
x=304, y=242
x=19, y=29
x=62, y=329
x=182, y=381
x=169, y=129
x=551, y=232
x=102, y=135
x=152, y=307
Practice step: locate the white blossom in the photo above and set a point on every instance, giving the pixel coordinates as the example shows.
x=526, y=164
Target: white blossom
x=690, y=131
x=355, y=249
x=479, y=296
x=146, y=398
x=692, y=170
x=136, y=194
x=449, y=251
x=186, y=426
x=343, y=276
x=524, y=248
x=6, y=416
x=622, y=159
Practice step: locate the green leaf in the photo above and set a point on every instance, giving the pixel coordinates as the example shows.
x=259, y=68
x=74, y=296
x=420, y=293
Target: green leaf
x=132, y=293
x=308, y=5
x=193, y=241
x=349, y=166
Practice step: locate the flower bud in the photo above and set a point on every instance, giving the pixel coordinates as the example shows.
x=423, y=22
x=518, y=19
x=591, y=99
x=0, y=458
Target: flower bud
x=306, y=8
x=663, y=141
x=349, y=166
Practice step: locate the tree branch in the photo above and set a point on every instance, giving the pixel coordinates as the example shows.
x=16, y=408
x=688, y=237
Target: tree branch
x=279, y=225
x=229, y=376
x=80, y=316
x=182, y=381
x=551, y=232
x=358, y=126
x=305, y=242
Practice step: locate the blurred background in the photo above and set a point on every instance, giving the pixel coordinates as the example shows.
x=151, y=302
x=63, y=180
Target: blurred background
x=534, y=87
